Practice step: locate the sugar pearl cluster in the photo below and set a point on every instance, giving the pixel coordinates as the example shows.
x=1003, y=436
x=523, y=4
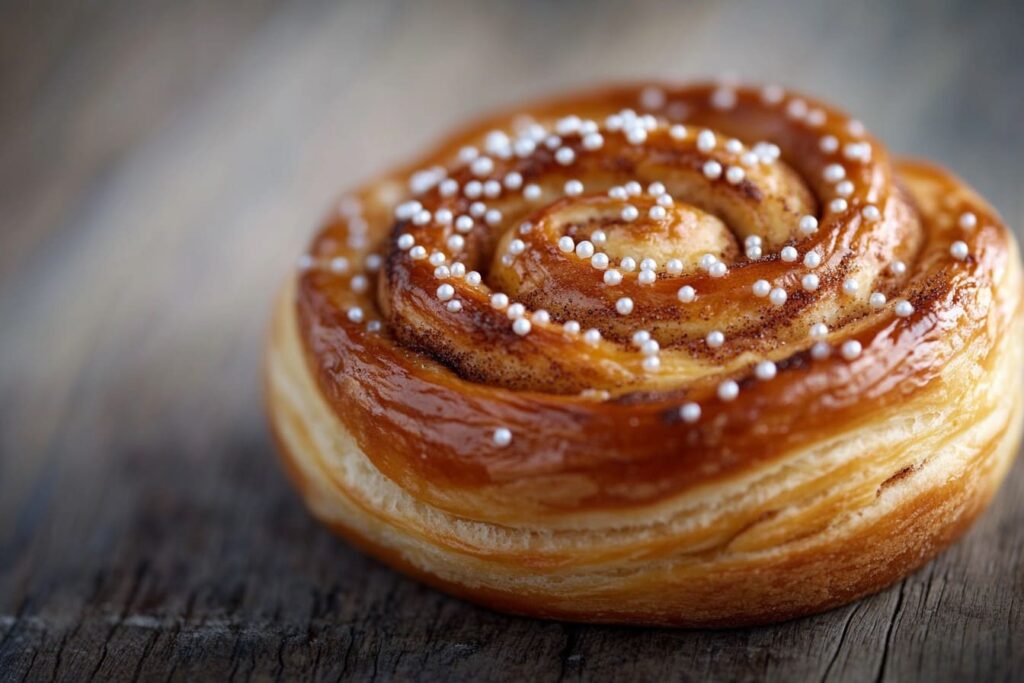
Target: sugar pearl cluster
x=483, y=179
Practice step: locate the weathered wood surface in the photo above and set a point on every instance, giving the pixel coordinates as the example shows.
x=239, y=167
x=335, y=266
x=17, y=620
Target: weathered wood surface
x=160, y=166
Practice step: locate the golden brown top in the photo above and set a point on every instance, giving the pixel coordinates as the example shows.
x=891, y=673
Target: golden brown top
x=605, y=299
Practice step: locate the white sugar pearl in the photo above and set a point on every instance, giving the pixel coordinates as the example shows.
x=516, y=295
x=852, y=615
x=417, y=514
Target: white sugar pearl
x=761, y=288
x=689, y=412
x=355, y=314
x=777, y=296
x=521, y=326
x=808, y=224
x=812, y=259
x=541, y=317
x=566, y=244
x=585, y=249
x=418, y=253
x=838, y=205
x=707, y=260
x=819, y=331
x=718, y=269
x=592, y=336
x=665, y=200
x=657, y=212
x=651, y=363
x=481, y=166
x=624, y=306
x=359, y=284
x=492, y=217
x=810, y=282
x=474, y=278
x=686, y=294
x=821, y=351
x=850, y=286
x=674, y=266
x=656, y=189
x=573, y=188
x=636, y=135
x=532, y=192
x=445, y=292
x=473, y=189
x=422, y=217
x=754, y=252
x=516, y=310
x=851, y=349
x=405, y=241
x=599, y=261
x=706, y=141
x=639, y=337
x=513, y=180
x=648, y=264
x=833, y=173
x=788, y=254
x=968, y=220
x=904, y=308
x=516, y=247
x=844, y=189
x=629, y=213
x=650, y=348
x=735, y=175
x=958, y=250
x=677, y=132
x=628, y=264
x=612, y=277
x=571, y=327
x=633, y=188
x=464, y=224
x=499, y=301
x=443, y=216
x=647, y=277
x=715, y=339
x=448, y=187
x=598, y=237
x=565, y=156
x=871, y=212
x=733, y=146
x=492, y=188
x=898, y=268
x=501, y=437
x=765, y=370
x=772, y=94
x=592, y=141
x=374, y=262
x=456, y=243
x=458, y=269
x=339, y=265
x=454, y=306
x=876, y=300
x=712, y=169
x=828, y=144
x=728, y=390
x=796, y=109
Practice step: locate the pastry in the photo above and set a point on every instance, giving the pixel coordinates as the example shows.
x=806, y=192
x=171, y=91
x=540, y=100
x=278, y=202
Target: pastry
x=693, y=355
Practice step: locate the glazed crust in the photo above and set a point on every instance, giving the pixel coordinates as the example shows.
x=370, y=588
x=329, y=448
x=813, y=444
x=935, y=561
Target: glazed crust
x=835, y=478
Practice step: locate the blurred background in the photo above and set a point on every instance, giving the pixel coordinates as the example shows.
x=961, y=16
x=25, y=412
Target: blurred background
x=162, y=165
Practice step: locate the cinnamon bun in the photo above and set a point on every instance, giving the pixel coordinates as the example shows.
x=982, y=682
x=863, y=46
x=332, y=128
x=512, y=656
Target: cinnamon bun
x=689, y=355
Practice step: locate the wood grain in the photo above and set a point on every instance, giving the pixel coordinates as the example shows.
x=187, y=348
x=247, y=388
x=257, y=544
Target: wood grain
x=161, y=165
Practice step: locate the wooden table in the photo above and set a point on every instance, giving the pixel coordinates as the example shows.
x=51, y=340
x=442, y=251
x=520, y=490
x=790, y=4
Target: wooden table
x=161, y=165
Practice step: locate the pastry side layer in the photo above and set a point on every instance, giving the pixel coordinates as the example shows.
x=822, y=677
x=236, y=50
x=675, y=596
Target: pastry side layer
x=815, y=528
